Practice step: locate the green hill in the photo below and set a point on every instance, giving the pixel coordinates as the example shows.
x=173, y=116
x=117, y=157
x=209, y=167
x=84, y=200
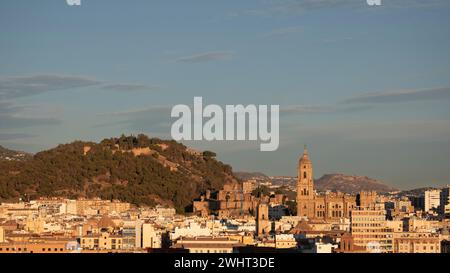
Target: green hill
x=138, y=170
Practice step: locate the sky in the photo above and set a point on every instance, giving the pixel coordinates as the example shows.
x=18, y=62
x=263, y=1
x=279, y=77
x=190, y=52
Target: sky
x=366, y=88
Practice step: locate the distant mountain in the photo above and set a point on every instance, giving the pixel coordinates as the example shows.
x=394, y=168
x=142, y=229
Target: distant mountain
x=251, y=175
x=11, y=155
x=415, y=192
x=350, y=184
x=139, y=170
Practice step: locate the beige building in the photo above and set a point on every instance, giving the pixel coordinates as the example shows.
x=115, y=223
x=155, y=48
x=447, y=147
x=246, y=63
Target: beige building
x=285, y=241
x=416, y=242
x=103, y=240
x=34, y=225
x=207, y=244
x=395, y=225
x=248, y=186
x=369, y=229
x=2, y=235
x=97, y=206
x=150, y=238
x=421, y=225
x=40, y=245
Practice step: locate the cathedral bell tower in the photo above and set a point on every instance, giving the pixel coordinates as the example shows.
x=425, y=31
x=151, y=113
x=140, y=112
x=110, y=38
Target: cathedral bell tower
x=305, y=186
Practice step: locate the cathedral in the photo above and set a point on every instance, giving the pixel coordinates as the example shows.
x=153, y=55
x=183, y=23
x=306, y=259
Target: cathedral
x=329, y=206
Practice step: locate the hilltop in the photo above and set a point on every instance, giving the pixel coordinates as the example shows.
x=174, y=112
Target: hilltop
x=350, y=184
x=139, y=170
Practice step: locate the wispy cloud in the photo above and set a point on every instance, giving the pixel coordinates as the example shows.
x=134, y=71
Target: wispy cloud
x=403, y=96
x=430, y=130
x=11, y=118
x=299, y=7
x=21, y=86
x=295, y=6
x=142, y=111
x=131, y=87
x=154, y=119
x=321, y=109
x=206, y=57
x=15, y=122
x=14, y=136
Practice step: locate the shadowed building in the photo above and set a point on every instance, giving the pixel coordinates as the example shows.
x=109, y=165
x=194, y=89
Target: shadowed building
x=263, y=224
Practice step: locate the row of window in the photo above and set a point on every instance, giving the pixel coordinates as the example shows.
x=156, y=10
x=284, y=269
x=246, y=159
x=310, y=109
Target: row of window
x=25, y=249
x=366, y=225
x=406, y=247
x=210, y=251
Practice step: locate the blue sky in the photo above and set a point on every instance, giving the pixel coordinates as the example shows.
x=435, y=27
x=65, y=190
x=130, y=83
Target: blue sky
x=366, y=88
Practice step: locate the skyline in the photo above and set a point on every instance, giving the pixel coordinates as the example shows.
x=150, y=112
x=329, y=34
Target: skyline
x=366, y=88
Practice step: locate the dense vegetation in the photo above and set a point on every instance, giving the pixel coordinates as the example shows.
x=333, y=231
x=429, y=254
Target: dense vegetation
x=110, y=170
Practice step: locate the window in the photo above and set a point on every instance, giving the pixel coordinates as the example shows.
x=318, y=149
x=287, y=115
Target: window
x=304, y=174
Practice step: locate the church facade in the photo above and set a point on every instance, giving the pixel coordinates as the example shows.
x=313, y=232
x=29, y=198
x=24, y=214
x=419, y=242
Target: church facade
x=329, y=206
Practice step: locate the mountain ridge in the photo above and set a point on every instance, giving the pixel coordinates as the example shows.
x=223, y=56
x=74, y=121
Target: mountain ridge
x=351, y=183
x=330, y=182
x=10, y=155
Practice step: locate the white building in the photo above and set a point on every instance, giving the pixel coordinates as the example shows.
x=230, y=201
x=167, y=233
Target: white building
x=323, y=248
x=285, y=241
x=192, y=230
x=432, y=199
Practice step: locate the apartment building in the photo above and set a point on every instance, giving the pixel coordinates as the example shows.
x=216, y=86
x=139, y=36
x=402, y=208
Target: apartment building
x=369, y=229
x=208, y=244
x=100, y=241
x=416, y=242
